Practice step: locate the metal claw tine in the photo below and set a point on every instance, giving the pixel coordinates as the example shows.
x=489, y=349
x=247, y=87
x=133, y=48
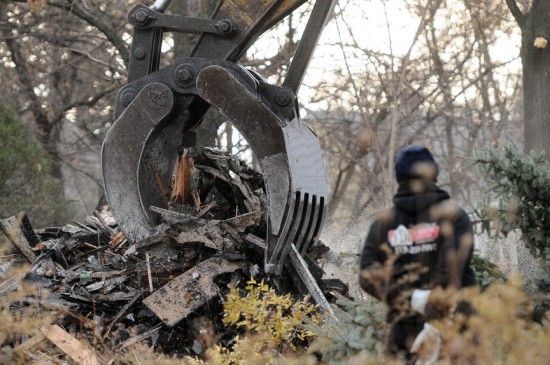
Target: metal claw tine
x=282, y=246
x=321, y=218
x=311, y=224
x=295, y=224
x=304, y=220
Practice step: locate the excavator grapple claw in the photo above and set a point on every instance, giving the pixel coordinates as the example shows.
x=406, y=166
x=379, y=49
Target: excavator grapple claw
x=159, y=109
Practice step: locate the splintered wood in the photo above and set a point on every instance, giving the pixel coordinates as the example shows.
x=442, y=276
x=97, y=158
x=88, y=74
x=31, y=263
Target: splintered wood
x=181, y=185
x=19, y=232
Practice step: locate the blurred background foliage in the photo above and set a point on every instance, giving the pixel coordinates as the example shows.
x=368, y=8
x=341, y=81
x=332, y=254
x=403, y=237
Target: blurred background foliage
x=518, y=196
x=25, y=180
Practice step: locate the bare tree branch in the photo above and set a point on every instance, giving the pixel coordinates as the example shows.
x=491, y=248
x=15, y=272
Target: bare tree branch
x=77, y=9
x=516, y=12
x=45, y=126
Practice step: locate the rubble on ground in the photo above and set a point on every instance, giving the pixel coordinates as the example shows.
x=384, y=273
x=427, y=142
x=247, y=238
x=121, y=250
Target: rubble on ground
x=169, y=287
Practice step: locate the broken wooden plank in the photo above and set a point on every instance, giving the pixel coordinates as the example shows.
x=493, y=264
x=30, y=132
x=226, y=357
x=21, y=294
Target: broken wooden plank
x=255, y=243
x=119, y=296
x=170, y=214
x=107, y=284
x=205, y=209
x=70, y=345
x=30, y=343
x=74, y=230
x=43, y=358
x=219, y=174
x=19, y=232
x=71, y=275
x=162, y=190
x=212, y=233
x=189, y=291
x=192, y=236
x=245, y=220
x=300, y=265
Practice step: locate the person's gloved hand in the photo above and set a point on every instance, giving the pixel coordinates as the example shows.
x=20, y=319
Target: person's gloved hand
x=427, y=345
x=419, y=300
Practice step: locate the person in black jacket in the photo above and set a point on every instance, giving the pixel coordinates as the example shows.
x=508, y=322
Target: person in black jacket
x=424, y=241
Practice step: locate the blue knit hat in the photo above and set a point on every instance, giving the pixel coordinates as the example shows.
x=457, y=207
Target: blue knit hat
x=408, y=161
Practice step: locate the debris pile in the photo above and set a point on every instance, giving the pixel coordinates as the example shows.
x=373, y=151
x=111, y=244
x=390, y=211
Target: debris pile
x=169, y=286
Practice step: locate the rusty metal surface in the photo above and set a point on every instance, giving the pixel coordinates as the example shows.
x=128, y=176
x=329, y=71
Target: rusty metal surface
x=145, y=52
x=189, y=291
x=278, y=13
x=220, y=88
x=290, y=157
x=254, y=19
x=151, y=146
x=247, y=17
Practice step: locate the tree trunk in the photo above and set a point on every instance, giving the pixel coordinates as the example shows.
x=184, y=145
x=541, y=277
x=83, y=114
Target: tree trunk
x=182, y=41
x=535, y=58
x=536, y=78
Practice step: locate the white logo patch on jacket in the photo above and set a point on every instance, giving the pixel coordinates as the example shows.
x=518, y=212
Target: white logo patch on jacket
x=415, y=240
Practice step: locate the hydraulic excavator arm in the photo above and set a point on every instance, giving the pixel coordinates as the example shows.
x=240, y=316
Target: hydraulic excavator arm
x=159, y=110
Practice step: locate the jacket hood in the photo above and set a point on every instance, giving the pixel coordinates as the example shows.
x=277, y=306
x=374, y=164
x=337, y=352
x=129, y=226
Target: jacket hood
x=414, y=196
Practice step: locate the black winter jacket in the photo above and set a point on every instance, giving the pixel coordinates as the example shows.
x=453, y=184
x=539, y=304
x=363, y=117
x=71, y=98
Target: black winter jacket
x=424, y=234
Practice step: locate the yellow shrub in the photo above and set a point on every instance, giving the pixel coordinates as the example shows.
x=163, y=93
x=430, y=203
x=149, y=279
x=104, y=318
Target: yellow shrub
x=273, y=324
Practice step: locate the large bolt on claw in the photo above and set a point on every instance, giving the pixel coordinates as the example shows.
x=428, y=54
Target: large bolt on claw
x=141, y=17
x=184, y=75
x=225, y=26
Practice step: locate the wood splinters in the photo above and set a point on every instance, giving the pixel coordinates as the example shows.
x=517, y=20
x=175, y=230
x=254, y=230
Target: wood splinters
x=181, y=185
x=149, y=276
x=196, y=201
x=162, y=190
